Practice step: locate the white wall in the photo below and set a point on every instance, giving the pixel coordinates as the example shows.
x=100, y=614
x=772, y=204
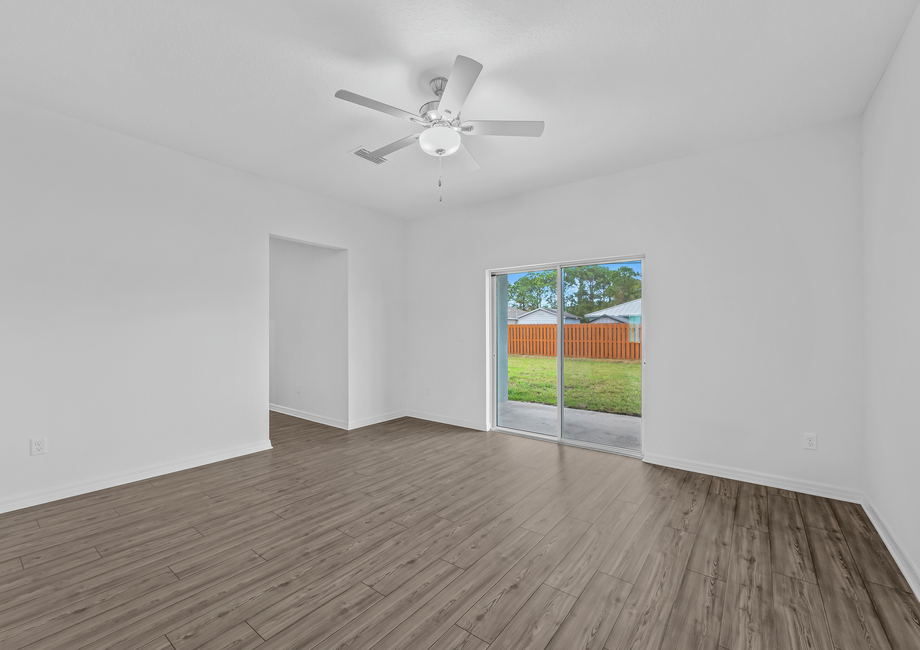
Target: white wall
x=892, y=296
x=134, y=299
x=308, y=331
x=766, y=235
x=134, y=305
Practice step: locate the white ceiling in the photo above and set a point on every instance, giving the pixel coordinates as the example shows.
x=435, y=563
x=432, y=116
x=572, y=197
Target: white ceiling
x=619, y=83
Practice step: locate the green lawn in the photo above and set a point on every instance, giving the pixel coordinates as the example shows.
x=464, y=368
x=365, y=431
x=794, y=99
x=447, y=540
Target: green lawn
x=590, y=384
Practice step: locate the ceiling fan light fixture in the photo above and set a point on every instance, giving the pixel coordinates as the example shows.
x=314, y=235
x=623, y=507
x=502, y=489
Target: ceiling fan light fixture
x=439, y=140
x=440, y=118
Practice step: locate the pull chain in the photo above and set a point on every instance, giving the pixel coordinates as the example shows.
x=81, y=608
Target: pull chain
x=440, y=196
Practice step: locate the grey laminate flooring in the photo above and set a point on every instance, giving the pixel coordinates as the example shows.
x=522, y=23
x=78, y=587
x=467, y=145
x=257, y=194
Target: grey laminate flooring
x=411, y=534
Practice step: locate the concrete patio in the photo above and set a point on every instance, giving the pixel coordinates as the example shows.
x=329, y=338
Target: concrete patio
x=609, y=429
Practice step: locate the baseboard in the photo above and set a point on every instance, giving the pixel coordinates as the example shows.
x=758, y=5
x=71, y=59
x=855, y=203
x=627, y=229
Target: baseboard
x=466, y=424
x=114, y=480
x=771, y=480
x=908, y=568
x=376, y=419
x=312, y=417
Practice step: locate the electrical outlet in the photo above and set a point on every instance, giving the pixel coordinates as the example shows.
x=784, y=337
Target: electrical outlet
x=39, y=446
x=811, y=441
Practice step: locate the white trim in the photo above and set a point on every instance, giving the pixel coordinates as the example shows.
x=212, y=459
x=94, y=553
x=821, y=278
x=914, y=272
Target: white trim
x=543, y=437
x=643, y=367
x=547, y=267
x=609, y=449
x=308, y=243
x=491, y=351
x=560, y=354
x=466, y=424
x=570, y=442
x=114, y=480
x=312, y=417
x=760, y=478
x=908, y=568
x=338, y=424
x=375, y=419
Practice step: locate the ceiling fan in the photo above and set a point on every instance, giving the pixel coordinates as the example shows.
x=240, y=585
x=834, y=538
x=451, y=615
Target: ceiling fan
x=440, y=118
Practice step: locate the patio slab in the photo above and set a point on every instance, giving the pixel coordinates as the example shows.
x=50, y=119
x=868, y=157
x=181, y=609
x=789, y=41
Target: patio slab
x=610, y=429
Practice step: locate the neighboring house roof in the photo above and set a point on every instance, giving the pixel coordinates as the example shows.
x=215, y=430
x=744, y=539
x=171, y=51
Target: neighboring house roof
x=550, y=311
x=631, y=308
x=514, y=312
x=608, y=317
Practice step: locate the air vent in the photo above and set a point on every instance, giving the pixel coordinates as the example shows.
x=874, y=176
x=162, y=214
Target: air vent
x=364, y=153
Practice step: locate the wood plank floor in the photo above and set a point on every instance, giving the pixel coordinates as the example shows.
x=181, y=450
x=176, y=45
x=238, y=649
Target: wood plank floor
x=411, y=534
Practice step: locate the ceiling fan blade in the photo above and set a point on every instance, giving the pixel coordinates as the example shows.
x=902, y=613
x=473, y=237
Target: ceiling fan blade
x=502, y=127
x=395, y=146
x=360, y=100
x=459, y=84
x=465, y=159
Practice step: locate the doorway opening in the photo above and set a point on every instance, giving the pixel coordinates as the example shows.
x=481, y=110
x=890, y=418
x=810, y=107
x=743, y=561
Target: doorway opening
x=567, y=353
x=308, y=333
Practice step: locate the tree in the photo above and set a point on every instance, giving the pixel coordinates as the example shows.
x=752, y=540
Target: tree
x=585, y=289
x=595, y=287
x=533, y=290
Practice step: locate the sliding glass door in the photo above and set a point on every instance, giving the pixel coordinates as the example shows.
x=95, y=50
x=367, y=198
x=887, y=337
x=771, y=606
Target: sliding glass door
x=585, y=356
x=526, y=375
x=602, y=354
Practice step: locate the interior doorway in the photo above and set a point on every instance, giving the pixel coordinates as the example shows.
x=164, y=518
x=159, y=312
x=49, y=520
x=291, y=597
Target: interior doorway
x=308, y=331
x=568, y=353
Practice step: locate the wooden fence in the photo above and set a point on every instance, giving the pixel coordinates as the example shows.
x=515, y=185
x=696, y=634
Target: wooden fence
x=586, y=341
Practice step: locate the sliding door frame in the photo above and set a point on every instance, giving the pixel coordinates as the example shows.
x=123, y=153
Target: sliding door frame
x=492, y=353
